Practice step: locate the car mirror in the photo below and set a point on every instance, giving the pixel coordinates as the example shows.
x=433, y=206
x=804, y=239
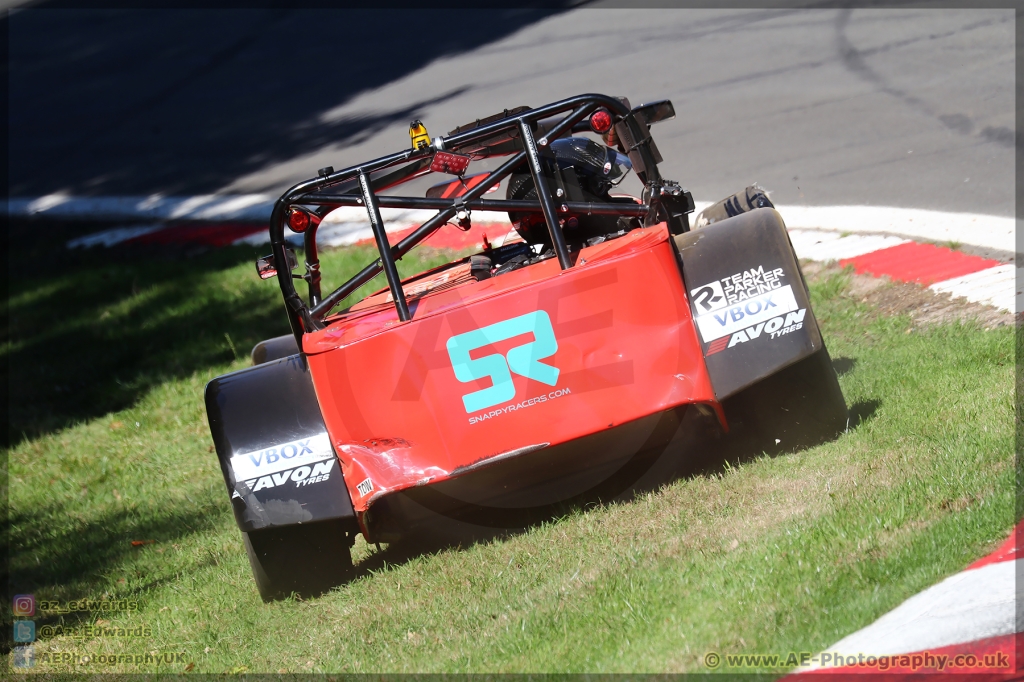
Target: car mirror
x=266, y=267
x=655, y=111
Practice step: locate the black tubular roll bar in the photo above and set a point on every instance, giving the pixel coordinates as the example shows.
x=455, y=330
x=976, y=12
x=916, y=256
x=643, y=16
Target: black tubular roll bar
x=359, y=186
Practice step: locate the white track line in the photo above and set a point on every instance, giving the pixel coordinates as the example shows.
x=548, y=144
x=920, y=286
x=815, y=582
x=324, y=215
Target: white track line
x=995, y=286
x=348, y=225
x=817, y=232
x=340, y=227
x=830, y=246
x=115, y=236
x=154, y=207
x=994, y=232
x=969, y=606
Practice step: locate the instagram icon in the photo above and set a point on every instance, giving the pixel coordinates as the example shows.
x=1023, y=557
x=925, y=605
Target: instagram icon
x=24, y=605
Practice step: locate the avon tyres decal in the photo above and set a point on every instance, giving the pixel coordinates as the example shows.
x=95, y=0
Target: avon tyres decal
x=301, y=453
x=524, y=360
x=300, y=476
x=772, y=329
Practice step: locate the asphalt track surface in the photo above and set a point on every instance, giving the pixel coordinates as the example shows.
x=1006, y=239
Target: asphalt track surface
x=885, y=107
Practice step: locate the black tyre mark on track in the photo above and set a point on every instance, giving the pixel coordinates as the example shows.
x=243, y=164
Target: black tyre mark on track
x=853, y=59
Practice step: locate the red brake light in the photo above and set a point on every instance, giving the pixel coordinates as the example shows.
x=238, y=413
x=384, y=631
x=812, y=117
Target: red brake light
x=601, y=121
x=298, y=220
x=447, y=162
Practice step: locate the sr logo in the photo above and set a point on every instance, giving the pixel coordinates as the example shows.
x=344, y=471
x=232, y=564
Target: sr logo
x=708, y=297
x=524, y=360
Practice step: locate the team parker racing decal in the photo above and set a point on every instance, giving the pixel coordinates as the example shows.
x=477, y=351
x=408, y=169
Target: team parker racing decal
x=745, y=306
x=296, y=464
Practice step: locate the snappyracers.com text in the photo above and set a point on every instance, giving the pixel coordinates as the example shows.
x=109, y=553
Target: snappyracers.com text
x=529, y=402
x=917, y=661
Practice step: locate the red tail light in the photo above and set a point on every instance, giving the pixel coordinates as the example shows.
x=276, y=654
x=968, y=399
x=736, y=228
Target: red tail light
x=601, y=121
x=298, y=220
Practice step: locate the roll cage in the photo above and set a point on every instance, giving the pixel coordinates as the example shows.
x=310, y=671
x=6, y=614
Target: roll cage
x=510, y=133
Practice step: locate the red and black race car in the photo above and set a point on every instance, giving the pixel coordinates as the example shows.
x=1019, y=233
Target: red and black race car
x=563, y=366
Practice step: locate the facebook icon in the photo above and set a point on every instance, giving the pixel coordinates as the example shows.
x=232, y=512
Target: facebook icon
x=24, y=657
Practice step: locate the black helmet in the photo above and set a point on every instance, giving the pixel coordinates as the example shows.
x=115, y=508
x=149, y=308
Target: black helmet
x=588, y=171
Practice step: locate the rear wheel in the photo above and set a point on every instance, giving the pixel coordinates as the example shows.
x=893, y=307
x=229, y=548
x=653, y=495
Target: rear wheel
x=798, y=407
x=307, y=559
x=274, y=349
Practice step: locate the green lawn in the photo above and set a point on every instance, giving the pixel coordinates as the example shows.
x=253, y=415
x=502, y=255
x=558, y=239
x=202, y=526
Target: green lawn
x=768, y=555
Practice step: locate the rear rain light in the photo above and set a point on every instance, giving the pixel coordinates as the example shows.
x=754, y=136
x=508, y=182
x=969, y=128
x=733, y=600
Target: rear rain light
x=298, y=220
x=601, y=121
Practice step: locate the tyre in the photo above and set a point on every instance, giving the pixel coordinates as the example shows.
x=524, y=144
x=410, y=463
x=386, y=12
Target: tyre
x=274, y=349
x=307, y=559
x=797, y=407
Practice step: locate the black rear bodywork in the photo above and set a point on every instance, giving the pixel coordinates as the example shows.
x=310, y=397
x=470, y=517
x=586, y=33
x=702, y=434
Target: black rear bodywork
x=730, y=268
x=260, y=407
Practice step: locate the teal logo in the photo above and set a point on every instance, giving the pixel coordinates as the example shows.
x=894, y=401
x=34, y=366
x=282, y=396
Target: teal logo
x=524, y=360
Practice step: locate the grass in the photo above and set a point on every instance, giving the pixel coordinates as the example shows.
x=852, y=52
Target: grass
x=763, y=555
x=111, y=328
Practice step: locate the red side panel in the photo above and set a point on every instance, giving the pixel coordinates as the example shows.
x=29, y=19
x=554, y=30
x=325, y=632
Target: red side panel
x=394, y=407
